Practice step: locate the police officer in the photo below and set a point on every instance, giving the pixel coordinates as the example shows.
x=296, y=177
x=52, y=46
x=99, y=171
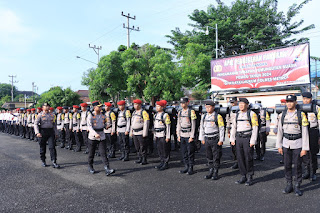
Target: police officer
x=39, y=109
x=33, y=119
x=45, y=128
x=244, y=134
x=162, y=135
x=310, y=159
x=212, y=135
x=83, y=125
x=67, y=127
x=229, y=118
x=173, y=130
x=96, y=123
x=139, y=131
x=76, y=127
x=264, y=129
x=110, y=129
x=293, y=142
x=60, y=127
x=123, y=128
x=186, y=128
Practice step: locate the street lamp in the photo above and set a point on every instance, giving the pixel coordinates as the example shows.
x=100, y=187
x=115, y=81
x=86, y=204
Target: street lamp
x=207, y=33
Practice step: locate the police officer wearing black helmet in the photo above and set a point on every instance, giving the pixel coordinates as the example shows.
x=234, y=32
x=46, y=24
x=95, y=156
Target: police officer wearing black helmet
x=310, y=160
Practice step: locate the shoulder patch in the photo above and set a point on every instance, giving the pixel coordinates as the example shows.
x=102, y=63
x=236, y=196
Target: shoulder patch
x=318, y=116
x=220, y=121
x=62, y=116
x=70, y=116
x=113, y=116
x=128, y=114
x=54, y=118
x=167, y=120
x=193, y=115
x=145, y=115
x=78, y=116
x=305, y=121
x=267, y=116
x=254, y=120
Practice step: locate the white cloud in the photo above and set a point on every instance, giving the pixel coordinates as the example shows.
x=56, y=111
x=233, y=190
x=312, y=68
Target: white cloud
x=14, y=36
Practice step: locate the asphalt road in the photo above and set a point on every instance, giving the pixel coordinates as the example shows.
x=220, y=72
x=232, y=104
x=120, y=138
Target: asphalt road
x=28, y=187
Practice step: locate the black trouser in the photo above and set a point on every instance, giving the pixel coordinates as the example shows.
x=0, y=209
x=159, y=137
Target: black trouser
x=163, y=149
x=62, y=136
x=123, y=142
x=187, y=151
x=140, y=144
x=77, y=136
x=213, y=152
x=261, y=144
x=111, y=142
x=292, y=156
x=68, y=135
x=85, y=138
x=149, y=139
x=102, y=149
x=234, y=151
x=47, y=135
x=31, y=133
x=244, y=155
x=310, y=160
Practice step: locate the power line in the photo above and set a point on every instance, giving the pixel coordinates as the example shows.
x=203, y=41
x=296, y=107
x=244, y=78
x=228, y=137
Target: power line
x=128, y=27
x=96, y=50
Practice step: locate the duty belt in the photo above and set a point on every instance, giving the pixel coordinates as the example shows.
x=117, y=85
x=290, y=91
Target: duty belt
x=83, y=124
x=58, y=123
x=159, y=129
x=211, y=133
x=74, y=125
x=292, y=136
x=184, y=130
x=121, y=126
x=314, y=128
x=137, y=130
x=98, y=130
x=244, y=134
x=213, y=137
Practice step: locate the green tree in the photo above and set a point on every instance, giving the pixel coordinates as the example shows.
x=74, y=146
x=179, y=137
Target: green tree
x=5, y=89
x=56, y=96
x=5, y=99
x=108, y=81
x=244, y=26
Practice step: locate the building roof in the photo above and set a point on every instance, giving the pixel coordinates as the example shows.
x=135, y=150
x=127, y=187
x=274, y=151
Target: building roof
x=83, y=93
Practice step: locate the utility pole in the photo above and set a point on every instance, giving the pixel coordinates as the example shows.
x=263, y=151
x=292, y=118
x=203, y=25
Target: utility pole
x=207, y=33
x=96, y=50
x=128, y=27
x=12, y=82
x=33, y=89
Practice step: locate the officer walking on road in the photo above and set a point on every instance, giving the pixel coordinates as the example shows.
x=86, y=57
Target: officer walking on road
x=45, y=128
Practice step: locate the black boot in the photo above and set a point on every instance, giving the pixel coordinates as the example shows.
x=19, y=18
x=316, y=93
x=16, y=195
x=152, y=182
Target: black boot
x=209, y=176
x=313, y=176
x=86, y=152
x=144, y=161
x=185, y=170
x=44, y=164
x=306, y=173
x=122, y=156
x=297, y=191
x=215, y=174
x=288, y=189
x=91, y=169
x=139, y=160
x=242, y=180
x=159, y=166
x=62, y=145
x=164, y=167
x=262, y=158
x=55, y=165
x=235, y=166
x=126, y=157
x=257, y=157
x=190, y=170
x=249, y=181
x=112, y=155
x=108, y=170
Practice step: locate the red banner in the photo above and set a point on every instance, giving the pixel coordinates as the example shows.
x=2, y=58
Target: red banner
x=280, y=67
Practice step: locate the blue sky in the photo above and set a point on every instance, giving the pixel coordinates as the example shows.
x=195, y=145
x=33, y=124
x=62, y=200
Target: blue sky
x=39, y=40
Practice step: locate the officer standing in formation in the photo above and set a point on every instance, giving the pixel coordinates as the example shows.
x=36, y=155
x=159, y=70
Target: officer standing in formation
x=76, y=128
x=212, y=135
x=229, y=118
x=45, y=128
x=60, y=127
x=186, y=128
x=162, y=135
x=96, y=124
x=110, y=130
x=264, y=129
x=293, y=142
x=83, y=125
x=123, y=128
x=310, y=160
x=244, y=133
x=67, y=127
x=139, y=131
